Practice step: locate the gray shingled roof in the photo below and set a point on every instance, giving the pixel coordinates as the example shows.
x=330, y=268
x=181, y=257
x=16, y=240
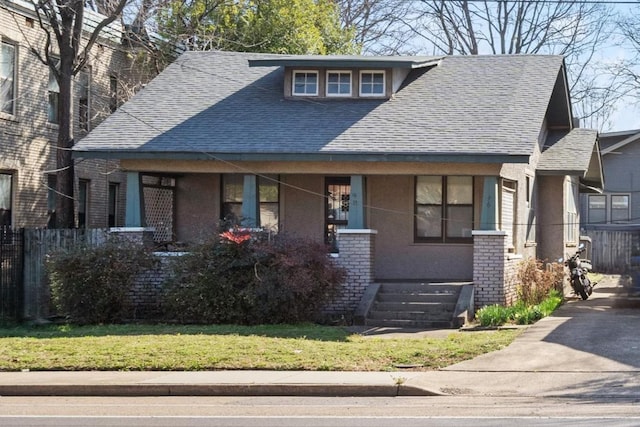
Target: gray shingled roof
x=568, y=153
x=213, y=102
x=573, y=153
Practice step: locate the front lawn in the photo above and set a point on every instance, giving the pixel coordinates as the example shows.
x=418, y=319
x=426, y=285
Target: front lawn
x=279, y=347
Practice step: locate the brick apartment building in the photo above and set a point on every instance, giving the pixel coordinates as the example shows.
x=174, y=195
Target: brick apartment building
x=28, y=128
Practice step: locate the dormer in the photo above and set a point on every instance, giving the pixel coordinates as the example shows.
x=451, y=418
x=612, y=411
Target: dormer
x=342, y=76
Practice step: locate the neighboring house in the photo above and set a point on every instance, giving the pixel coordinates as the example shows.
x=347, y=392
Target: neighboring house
x=411, y=168
x=28, y=124
x=612, y=218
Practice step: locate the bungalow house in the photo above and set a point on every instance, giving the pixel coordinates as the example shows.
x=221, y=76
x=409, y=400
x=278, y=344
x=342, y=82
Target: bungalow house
x=412, y=169
x=612, y=219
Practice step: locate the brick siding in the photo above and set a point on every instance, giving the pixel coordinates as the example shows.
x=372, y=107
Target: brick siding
x=28, y=141
x=357, y=251
x=494, y=269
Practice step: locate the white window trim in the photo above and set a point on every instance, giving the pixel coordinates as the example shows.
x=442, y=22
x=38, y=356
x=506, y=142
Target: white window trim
x=610, y=197
x=293, y=82
x=338, y=95
x=384, y=84
x=589, y=210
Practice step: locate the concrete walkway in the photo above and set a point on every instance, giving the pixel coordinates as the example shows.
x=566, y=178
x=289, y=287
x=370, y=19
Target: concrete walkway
x=587, y=349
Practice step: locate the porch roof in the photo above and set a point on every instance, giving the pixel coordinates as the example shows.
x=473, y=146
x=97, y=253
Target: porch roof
x=213, y=105
x=574, y=153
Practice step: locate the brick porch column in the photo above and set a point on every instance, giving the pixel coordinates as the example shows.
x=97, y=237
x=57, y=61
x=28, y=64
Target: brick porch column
x=494, y=268
x=138, y=235
x=357, y=257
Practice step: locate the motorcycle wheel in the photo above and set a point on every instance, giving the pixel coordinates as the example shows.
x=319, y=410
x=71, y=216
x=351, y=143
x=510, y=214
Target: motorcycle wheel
x=578, y=285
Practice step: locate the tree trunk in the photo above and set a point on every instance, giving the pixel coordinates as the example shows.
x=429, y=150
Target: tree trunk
x=65, y=214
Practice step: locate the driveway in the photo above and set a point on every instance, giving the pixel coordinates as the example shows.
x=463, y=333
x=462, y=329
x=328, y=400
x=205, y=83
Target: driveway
x=586, y=348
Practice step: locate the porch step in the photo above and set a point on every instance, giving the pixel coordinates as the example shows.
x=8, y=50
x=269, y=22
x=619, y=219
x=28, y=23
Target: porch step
x=415, y=305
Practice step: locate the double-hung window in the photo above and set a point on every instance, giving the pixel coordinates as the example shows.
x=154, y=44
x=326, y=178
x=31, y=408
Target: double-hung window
x=83, y=203
x=6, y=186
x=597, y=209
x=372, y=83
x=338, y=83
x=305, y=83
x=444, y=209
x=268, y=190
x=83, y=86
x=54, y=95
x=619, y=208
x=7, y=78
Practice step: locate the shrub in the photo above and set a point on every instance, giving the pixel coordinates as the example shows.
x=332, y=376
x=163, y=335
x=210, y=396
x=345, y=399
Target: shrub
x=520, y=313
x=536, y=281
x=92, y=284
x=494, y=315
x=252, y=280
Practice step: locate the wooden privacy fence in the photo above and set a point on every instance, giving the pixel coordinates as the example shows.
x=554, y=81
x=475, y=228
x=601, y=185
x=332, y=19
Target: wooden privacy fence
x=614, y=251
x=37, y=244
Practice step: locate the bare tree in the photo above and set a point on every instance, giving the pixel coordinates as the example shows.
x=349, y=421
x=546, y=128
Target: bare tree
x=66, y=52
x=379, y=24
x=576, y=29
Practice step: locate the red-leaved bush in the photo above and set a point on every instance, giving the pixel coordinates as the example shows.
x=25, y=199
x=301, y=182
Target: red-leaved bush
x=235, y=279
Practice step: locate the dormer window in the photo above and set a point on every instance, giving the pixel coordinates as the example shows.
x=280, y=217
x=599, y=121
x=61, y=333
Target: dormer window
x=305, y=83
x=338, y=83
x=372, y=83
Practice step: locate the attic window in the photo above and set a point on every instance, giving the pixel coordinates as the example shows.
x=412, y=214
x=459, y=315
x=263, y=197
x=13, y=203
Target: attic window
x=338, y=83
x=305, y=83
x=372, y=83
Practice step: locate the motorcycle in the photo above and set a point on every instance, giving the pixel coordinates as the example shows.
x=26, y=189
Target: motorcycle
x=578, y=270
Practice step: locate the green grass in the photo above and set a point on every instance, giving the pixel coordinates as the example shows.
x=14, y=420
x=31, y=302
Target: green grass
x=281, y=347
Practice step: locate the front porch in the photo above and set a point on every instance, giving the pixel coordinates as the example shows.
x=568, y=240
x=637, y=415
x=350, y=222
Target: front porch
x=374, y=243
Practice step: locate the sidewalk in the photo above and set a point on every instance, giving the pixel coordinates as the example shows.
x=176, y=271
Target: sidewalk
x=586, y=349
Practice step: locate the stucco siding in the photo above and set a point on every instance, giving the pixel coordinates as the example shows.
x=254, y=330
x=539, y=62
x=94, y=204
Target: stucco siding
x=551, y=233
x=397, y=256
x=302, y=207
x=197, y=207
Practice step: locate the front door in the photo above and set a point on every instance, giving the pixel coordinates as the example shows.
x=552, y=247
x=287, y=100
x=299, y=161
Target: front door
x=337, y=193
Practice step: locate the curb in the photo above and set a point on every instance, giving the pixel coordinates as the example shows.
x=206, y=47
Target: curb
x=304, y=390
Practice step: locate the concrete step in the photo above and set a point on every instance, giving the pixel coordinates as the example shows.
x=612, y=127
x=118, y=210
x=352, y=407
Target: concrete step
x=420, y=306
x=414, y=305
x=412, y=324
x=417, y=297
x=410, y=315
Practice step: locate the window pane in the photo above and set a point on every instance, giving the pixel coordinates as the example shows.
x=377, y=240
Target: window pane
x=305, y=83
x=597, y=216
x=459, y=221
x=52, y=109
x=618, y=215
x=268, y=188
x=5, y=190
x=429, y=190
x=269, y=216
x=597, y=202
x=428, y=221
x=459, y=190
x=620, y=202
x=7, y=72
x=113, y=205
x=339, y=83
x=232, y=187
